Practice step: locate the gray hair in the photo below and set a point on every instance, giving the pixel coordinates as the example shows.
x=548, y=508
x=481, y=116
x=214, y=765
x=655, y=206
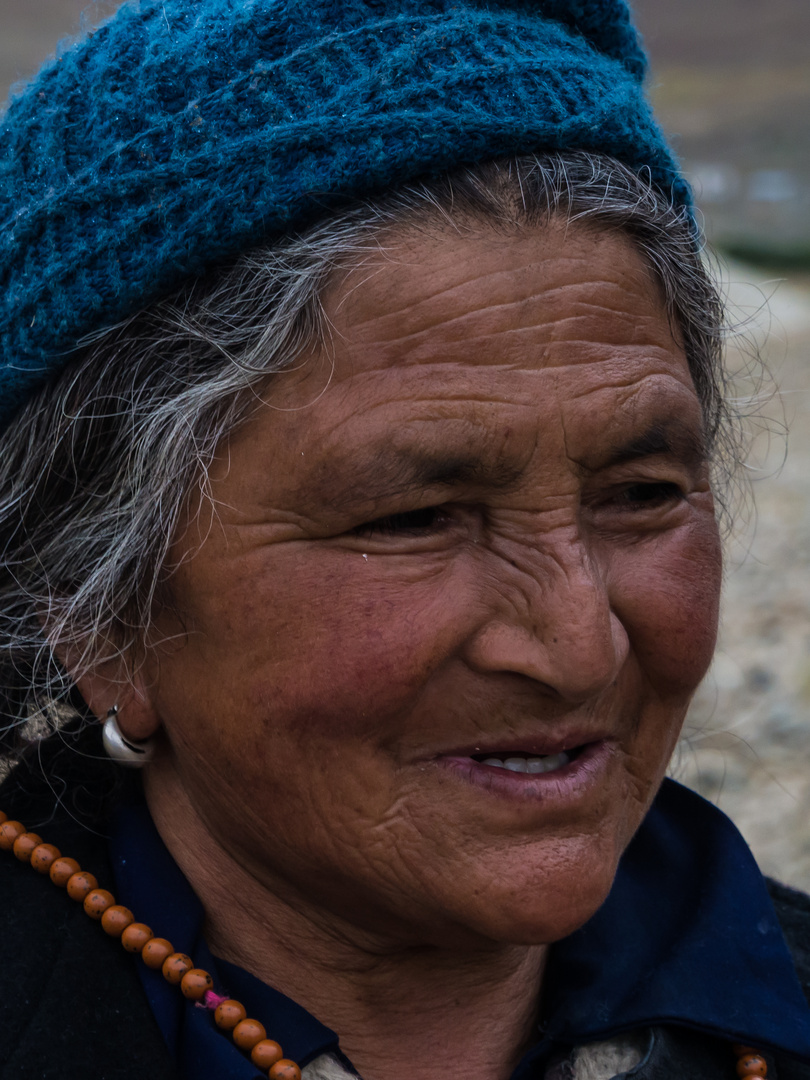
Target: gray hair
x=96, y=469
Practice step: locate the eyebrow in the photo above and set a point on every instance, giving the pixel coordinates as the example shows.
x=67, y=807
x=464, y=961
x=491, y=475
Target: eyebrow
x=395, y=471
x=400, y=471
x=671, y=437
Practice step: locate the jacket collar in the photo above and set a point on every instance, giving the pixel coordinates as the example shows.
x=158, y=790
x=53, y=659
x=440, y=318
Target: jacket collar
x=688, y=937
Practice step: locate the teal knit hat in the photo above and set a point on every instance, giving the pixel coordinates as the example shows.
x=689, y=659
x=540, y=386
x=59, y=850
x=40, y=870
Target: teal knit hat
x=184, y=131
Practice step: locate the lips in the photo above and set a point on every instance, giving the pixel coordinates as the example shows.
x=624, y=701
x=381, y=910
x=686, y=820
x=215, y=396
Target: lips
x=561, y=776
x=544, y=752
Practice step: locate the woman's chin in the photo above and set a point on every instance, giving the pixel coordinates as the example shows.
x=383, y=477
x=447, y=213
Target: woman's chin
x=544, y=919
x=529, y=897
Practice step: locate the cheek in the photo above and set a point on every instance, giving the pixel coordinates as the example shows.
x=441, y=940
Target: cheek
x=330, y=655
x=668, y=599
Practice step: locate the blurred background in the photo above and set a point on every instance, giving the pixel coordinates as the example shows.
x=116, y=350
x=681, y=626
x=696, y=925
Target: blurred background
x=731, y=82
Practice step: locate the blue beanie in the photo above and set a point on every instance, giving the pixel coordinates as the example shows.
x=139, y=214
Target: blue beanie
x=184, y=131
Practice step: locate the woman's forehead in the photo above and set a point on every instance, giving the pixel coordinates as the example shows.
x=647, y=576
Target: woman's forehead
x=465, y=326
x=423, y=288
x=480, y=354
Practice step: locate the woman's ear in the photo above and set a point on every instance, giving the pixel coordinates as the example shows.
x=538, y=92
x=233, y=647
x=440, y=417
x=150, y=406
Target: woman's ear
x=137, y=716
x=107, y=683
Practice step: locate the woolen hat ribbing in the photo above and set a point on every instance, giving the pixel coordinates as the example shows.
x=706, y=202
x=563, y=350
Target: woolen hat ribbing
x=181, y=133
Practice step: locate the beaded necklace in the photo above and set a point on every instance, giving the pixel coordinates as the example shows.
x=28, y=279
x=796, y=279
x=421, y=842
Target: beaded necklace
x=177, y=968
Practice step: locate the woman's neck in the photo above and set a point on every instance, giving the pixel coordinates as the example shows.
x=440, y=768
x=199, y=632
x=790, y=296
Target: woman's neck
x=401, y=1009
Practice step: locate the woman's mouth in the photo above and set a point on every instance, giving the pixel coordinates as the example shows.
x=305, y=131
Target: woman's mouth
x=526, y=774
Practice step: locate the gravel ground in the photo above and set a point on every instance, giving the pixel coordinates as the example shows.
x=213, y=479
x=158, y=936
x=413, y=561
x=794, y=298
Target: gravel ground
x=747, y=740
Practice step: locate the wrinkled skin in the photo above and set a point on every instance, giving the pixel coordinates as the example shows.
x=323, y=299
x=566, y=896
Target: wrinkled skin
x=515, y=417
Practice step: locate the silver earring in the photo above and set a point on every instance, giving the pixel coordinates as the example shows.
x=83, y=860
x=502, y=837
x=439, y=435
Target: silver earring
x=134, y=755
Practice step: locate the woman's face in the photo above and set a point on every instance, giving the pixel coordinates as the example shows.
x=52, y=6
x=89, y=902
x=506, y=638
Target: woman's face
x=485, y=533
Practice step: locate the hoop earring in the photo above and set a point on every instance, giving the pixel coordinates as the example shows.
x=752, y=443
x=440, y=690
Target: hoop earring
x=133, y=755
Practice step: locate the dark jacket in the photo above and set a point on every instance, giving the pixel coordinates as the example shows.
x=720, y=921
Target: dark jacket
x=72, y=1006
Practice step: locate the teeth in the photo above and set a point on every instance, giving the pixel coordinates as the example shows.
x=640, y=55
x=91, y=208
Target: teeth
x=548, y=764
x=532, y=765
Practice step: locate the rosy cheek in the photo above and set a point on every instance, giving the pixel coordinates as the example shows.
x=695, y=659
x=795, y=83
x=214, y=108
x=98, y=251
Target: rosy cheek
x=350, y=666
x=669, y=605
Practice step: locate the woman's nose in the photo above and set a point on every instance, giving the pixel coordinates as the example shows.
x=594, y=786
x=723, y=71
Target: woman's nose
x=551, y=620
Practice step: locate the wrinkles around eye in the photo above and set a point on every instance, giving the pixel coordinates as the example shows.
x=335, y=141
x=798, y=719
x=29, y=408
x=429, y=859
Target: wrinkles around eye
x=431, y=520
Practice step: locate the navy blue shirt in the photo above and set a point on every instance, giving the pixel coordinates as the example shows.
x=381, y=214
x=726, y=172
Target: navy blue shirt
x=688, y=936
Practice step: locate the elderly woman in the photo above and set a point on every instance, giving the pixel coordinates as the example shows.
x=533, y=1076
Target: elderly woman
x=361, y=406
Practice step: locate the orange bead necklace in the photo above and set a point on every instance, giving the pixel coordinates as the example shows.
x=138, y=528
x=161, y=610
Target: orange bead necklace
x=178, y=969
x=749, y=1061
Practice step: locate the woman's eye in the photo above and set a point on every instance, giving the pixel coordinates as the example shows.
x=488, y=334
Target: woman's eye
x=427, y=519
x=650, y=494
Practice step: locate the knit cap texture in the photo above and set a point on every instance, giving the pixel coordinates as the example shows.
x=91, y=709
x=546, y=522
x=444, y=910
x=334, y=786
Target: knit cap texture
x=184, y=131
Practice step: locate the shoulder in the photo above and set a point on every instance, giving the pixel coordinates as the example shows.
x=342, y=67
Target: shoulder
x=68, y=994
x=793, y=910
